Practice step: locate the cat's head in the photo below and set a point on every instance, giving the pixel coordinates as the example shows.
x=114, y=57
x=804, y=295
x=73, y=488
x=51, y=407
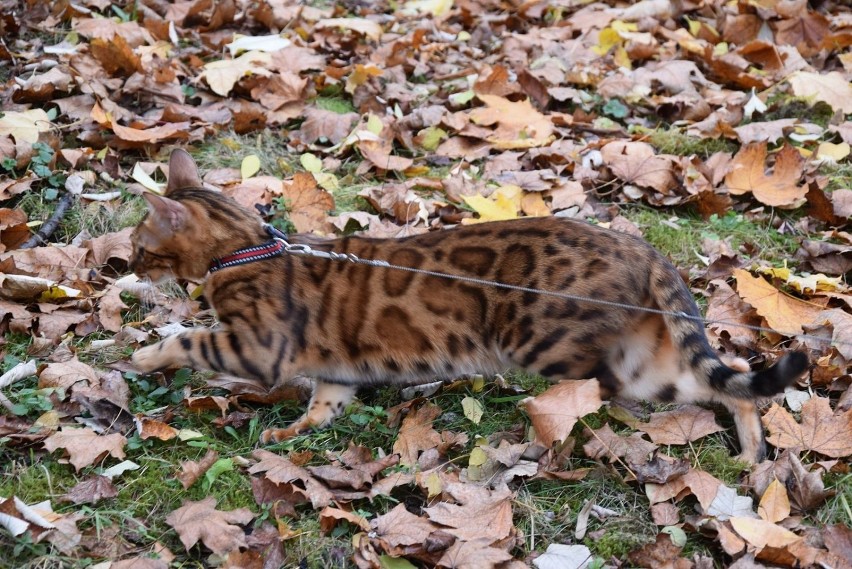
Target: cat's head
x=188, y=226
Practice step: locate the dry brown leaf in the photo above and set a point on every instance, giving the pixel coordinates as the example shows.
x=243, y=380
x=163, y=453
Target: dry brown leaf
x=662, y=554
x=416, y=434
x=309, y=205
x=832, y=88
x=477, y=513
x=474, y=554
x=85, y=446
x=401, y=527
x=555, y=412
x=91, y=490
x=191, y=471
x=782, y=312
x=110, y=306
x=149, y=428
x=604, y=442
x=195, y=521
x=821, y=430
x=637, y=163
x=780, y=189
x=703, y=485
x=681, y=426
x=774, y=505
x=66, y=374
x=330, y=516
x=280, y=470
x=153, y=134
x=519, y=125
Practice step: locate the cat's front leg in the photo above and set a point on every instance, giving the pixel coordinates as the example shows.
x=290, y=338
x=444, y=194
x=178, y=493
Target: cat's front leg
x=327, y=402
x=169, y=352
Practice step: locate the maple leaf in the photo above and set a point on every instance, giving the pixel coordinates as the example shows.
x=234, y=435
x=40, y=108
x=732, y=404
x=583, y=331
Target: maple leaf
x=662, y=554
x=559, y=555
x=782, y=312
x=308, y=204
x=195, y=521
x=820, y=430
x=780, y=189
x=761, y=533
x=479, y=512
x=473, y=554
x=638, y=163
x=604, y=442
x=555, y=412
x=85, y=446
x=401, y=527
x=727, y=504
x=280, y=470
x=832, y=88
x=519, y=125
x=681, y=426
x=91, y=490
x=330, y=516
x=416, y=434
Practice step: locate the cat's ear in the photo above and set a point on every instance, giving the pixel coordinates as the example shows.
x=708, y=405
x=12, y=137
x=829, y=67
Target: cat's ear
x=183, y=173
x=170, y=215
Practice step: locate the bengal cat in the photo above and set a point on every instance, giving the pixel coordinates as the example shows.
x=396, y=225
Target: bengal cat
x=349, y=325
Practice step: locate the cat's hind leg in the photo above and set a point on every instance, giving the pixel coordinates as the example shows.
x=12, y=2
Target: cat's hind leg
x=327, y=402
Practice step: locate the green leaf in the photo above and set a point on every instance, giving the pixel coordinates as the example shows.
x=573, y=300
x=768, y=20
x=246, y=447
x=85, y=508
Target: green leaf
x=615, y=108
x=388, y=562
x=678, y=536
x=220, y=466
x=250, y=166
x=431, y=137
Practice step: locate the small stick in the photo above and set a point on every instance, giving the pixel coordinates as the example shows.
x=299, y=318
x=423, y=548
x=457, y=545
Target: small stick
x=41, y=236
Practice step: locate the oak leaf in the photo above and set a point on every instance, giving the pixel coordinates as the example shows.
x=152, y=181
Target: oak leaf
x=780, y=189
x=681, y=426
x=85, y=446
x=820, y=430
x=782, y=312
x=195, y=521
x=555, y=412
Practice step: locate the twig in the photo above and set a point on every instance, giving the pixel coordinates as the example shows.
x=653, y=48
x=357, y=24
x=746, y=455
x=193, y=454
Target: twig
x=41, y=236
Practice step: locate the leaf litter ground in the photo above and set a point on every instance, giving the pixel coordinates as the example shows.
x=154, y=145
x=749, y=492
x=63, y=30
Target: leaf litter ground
x=717, y=130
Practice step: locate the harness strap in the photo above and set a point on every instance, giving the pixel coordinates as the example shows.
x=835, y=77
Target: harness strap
x=254, y=253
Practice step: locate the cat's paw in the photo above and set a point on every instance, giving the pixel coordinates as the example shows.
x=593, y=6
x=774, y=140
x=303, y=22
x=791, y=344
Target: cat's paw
x=149, y=358
x=270, y=436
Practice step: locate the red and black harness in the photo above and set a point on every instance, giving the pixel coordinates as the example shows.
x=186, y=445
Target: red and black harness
x=266, y=250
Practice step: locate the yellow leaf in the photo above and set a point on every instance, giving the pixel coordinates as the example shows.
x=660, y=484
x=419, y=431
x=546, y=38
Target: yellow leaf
x=147, y=181
x=782, y=312
x=472, y=409
x=608, y=38
x=24, y=126
x=250, y=166
x=327, y=181
x=438, y=8
x=433, y=485
x=774, y=504
x=831, y=88
x=532, y=204
x=491, y=210
x=622, y=26
x=833, y=152
x=222, y=75
x=477, y=457
x=804, y=283
x=760, y=533
x=621, y=58
x=361, y=75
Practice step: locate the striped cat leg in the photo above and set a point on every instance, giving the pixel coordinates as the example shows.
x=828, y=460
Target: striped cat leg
x=327, y=402
x=212, y=350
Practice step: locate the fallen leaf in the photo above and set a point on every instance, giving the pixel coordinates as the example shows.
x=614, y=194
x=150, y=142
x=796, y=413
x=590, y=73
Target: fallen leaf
x=832, y=88
x=91, y=490
x=681, y=426
x=362, y=26
x=555, y=412
x=477, y=513
x=195, y=521
x=821, y=430
x=782, y=312
x=85, y=446
x=727, y=504
x=774, y=505
x=662, y=554
x=761, y=533
x=222, y=75
x=280, y=470
x=780, y=189
x=24, y=126
x=473, y=554
x=308, y=204
x=637, y=163
x=330, y=516
x=401, y=527
x=560, y=556
x=416, y=434
x=518, y=124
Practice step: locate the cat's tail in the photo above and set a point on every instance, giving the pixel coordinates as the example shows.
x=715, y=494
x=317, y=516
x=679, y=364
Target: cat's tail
x=686, y=328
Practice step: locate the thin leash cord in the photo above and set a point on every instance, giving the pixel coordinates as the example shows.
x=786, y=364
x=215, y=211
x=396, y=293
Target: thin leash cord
x=306, y=250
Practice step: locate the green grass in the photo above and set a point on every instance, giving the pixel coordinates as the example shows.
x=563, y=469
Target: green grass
x=680, y=236
x=673, y=141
